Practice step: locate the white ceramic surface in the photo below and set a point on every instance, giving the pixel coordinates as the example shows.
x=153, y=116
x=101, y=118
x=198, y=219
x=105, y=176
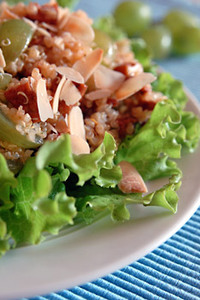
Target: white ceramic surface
x=90, y=252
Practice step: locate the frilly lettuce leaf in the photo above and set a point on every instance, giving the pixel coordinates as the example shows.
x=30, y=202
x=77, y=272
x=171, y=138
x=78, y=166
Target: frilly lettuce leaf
x=97, y=162
x=28, y=220
x=172, y=88
x=154, y=140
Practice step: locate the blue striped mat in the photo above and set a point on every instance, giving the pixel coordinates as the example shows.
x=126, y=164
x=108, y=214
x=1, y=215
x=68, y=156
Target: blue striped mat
x=172, y=271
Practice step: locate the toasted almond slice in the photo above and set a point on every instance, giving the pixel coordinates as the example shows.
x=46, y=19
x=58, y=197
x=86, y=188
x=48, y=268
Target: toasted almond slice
x=98, y=94
x=133, y=85
x=6, y=14
x=106, y=78
x=57, y=95
x=76, y=123
x=79, y=145
x=43, y=31
x=44, y=106
x=69, y=93
x=71, y=74
x=131, y=181
x=31, y=23
x=80, y=29
x=63, y=16
x=48, y=26
x=87, y=65
x=2, y=60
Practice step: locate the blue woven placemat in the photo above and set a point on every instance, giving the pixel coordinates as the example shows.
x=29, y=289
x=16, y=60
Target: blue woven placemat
x=172, y=271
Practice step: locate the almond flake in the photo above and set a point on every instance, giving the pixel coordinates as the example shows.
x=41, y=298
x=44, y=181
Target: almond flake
x=98, y=94
x=2, y=60
x=79, y=146
x=131, y=181
x=69, y=93
x=133, y=85
x=80, y=29
x=76, y=123
x=6, y=14
x=31, y=23
x=44, y=106
x=48, y=26
x=87, y=65
x=71, y=74
x=106, y=78
x=43, y=31
x=63, y=16
x=57, y=95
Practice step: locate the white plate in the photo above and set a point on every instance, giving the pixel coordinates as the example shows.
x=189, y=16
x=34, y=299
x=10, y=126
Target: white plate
x=90, y=252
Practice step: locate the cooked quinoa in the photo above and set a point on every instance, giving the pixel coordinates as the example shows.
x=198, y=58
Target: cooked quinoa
x=62, y=82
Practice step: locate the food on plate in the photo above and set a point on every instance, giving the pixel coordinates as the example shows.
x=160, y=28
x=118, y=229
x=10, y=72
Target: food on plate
x=85, y=122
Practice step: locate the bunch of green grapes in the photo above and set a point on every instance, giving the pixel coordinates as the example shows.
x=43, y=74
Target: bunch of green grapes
x=178, y=32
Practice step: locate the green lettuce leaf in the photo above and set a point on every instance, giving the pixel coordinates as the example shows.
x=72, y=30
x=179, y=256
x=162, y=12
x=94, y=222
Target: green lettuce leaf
x=97, y=162
x=191, y=123
x=67, y=3
x=172, y=88
x=107, y=24
x=7, y=180
x=154, y=143
x=141, y=52
x=27, y=220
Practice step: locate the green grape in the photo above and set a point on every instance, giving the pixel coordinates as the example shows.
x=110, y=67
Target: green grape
x=187, y=41
x=4, y=80
x=159, y=41
x=132, y=16
x=103, y=41
x=15, y=35
x=175, y=20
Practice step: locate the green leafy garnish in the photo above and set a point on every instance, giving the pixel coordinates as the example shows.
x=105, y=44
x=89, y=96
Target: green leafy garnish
x=67, y=3
x=107, y=24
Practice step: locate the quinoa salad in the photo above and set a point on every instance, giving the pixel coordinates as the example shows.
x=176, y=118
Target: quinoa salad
x=84, y=125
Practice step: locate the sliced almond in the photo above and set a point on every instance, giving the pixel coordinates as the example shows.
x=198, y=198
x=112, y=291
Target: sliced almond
x=44, y=106
x=79, y=145
x=87, y=65
x=131, y=181
x=63, y=16
x=98, y=94
x=31, y=23
x=106, y=78
x=76, y=123
x=133, y=85
x=80, y=29
x=57, y=95
x=2, y=60
x=71, y=74
x=69, y=93
x=43, y=31
x=48, y=26
x=6, y=14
